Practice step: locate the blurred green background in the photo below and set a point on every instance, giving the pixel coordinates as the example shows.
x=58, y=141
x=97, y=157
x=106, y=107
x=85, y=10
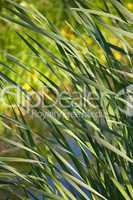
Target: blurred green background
x=56, y=11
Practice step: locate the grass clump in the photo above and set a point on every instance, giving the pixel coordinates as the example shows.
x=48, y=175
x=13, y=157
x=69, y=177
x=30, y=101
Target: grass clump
x=79, y=144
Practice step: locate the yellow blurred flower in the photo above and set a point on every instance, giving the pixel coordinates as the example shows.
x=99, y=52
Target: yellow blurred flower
x=26, y=86
x=67, y=33
x=114, y=40
x=130, y=6
x=34, y=76
x=118, y=56
x=89, y=41
x=102, y=58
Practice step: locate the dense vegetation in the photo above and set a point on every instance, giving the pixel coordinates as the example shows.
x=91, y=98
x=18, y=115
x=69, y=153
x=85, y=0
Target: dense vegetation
x=69, y=136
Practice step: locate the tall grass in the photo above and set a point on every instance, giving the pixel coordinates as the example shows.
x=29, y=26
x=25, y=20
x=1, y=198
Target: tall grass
x=85, y=149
